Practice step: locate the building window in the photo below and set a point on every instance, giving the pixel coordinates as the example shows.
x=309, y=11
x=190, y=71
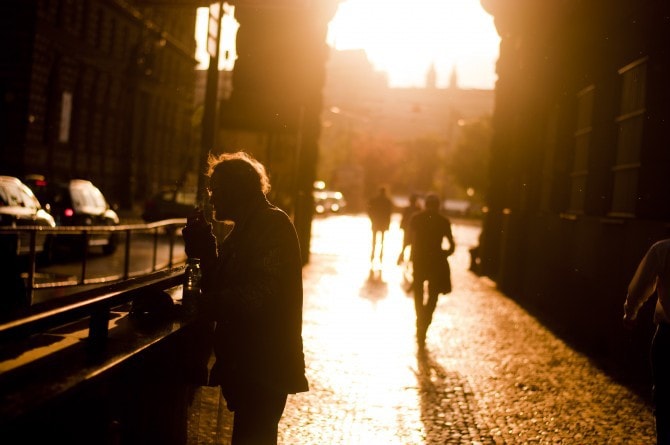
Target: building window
x=630, y=126
x=580, y=163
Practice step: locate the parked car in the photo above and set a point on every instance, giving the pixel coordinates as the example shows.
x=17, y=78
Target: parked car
x=456, y=207
x=328, y=201
x=77, y=202
x=19, y=207
x=168, y=204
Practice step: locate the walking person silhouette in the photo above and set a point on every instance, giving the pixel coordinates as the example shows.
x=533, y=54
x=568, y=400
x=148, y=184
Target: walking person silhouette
x=380, y=208
x=428, y=228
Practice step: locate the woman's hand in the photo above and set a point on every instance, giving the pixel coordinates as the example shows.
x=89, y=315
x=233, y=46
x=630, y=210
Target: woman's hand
x=199, y=240
x=197, y=219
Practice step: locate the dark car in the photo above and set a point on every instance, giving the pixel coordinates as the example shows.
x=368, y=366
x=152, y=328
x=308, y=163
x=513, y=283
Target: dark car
x=168, y=204
x=19, y=207
x=77, y=202
x=328, y=201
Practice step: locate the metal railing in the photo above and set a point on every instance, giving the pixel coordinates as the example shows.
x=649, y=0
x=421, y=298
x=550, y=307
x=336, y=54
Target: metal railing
x=113, y=343
x=95, y=304
x=169, y=227
x=120, y=334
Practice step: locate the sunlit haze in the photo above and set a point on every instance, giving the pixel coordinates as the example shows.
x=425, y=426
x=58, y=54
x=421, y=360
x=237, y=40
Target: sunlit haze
x=404, y=38
x=401, y=38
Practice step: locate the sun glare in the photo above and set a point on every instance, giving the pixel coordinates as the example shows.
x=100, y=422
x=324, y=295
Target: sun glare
x=400, y=37
x=404, y=38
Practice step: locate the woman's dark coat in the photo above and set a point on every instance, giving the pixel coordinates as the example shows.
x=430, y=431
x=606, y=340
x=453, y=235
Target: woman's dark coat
x=253, y=291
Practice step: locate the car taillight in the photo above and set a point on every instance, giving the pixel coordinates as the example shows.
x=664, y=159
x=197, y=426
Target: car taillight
x=69, y=213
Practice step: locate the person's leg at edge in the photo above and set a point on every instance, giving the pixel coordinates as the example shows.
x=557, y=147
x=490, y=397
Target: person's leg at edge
x=381, y=247
x=256, y=419
x=430, y=306
x=660, y=361
x=375, y=245
x=419, y=308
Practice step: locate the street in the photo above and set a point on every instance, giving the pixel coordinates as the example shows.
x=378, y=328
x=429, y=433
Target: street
x=490, y=374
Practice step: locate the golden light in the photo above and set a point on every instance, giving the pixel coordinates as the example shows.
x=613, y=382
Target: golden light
x=228, y=48
x=405, y=38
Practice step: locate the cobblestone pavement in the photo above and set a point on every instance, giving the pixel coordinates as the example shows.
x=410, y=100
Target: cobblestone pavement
x=490, y=374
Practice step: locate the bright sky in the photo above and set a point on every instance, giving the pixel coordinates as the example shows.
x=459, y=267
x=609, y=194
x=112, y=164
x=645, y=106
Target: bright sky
x=403, y=38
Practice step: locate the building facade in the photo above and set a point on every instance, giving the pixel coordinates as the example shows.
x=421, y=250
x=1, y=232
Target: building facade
x=579, y=162
x=104, y=90
x=99, y=89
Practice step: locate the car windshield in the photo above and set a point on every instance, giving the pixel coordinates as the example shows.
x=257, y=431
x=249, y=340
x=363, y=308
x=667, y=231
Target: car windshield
x=89, y=197
x=17, y=196
x=8, y=196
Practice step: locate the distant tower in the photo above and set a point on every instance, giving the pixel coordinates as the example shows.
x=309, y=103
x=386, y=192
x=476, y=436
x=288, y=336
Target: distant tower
x=453, y=79
x=431, y=77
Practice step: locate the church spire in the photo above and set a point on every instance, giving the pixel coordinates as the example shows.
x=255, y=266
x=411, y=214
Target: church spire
x=431, y=77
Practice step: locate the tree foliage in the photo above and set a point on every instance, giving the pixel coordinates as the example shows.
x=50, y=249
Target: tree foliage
x=422, y=160
x=469, y=160
x=357, y=162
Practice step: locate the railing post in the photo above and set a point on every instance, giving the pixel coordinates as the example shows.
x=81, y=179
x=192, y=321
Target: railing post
x=155, y=257
x=84, y=256
x=31, y=267
x=171, y=253
x=126, y=257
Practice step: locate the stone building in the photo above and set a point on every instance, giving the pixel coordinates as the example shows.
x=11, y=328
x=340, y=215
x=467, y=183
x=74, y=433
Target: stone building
x=579, y=163
x=98, y=89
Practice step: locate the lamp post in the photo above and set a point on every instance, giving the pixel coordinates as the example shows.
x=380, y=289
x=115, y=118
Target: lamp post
x=209, y=127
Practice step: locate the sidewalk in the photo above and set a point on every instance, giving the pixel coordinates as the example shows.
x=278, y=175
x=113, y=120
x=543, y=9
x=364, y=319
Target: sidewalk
x=491, y=374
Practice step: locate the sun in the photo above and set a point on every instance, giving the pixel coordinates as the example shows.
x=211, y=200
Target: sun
x=404, y=38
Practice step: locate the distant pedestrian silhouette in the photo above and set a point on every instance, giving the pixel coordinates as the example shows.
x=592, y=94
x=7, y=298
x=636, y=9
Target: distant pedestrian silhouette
x=407, y=214
x=652, y=277
x=430, y=264
x=380, y=208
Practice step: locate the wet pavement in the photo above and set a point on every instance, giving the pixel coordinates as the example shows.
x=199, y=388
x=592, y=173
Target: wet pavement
x=490, y=373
